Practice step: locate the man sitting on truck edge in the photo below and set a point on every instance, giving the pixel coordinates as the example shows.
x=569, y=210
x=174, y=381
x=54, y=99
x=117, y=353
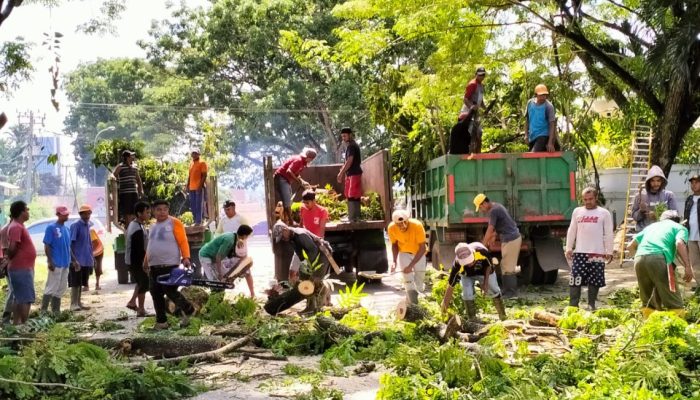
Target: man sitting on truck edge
x=286, y=174
x=407, y=237
x=589, y=245
x=652, y=198
x=473, y=263
x=540, y=122
x=351, y=171
x=501, y=223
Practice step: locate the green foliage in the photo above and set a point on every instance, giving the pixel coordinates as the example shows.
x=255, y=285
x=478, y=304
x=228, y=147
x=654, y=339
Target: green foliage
x=187, y=218
x=108, y=153
x=594, y=323
x=283, y=337
x=352, y=296
x=360, y=319
x=373, y=211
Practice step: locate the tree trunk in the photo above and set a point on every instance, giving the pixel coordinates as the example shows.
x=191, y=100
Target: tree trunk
x=161, y=346
x=409, y=312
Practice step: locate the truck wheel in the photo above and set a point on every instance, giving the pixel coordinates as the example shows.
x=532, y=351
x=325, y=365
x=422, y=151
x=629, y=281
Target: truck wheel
x=551, y=277
x=541, y=277
x=525, y=276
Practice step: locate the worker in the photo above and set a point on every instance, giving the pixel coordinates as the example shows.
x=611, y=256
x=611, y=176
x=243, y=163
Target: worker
x=231, y=220
x=288, y=173
x=196, y=185
x=472, y=102
x=589, y=245
x=136, y=244
x=692, y=216
x=540, y=122
x=313, y=216
x=225, y=253
x=652, y=199
x=501, y=223
x=315, y=266
x=656, y=247
x=351, y=173
x=407, y=237
x=129, y=186
x=81, y=247
x=473, y=263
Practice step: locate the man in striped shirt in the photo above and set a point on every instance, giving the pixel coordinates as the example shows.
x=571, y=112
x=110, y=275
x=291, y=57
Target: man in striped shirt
x=129, y=186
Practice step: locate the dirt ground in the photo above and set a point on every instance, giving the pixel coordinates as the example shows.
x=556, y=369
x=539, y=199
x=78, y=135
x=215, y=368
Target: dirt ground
x=253, y=379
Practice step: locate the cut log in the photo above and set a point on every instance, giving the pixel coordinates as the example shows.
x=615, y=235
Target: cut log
x=306, y=288
x=339, y=312
x=547, y=317
x=231, y=330
x=448, y=331
x=410, y=312
x=161, y=346
x=470, y=326
x=333, y=329
x=208, y=356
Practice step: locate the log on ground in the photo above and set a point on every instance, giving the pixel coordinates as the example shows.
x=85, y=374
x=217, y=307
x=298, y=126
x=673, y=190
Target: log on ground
x=410, y=312
x=161, y=346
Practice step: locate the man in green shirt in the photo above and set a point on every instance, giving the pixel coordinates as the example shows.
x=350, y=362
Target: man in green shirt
x=656, y=248
x=221, y=257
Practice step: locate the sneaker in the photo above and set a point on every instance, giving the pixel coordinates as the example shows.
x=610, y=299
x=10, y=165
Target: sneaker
x=160, y=326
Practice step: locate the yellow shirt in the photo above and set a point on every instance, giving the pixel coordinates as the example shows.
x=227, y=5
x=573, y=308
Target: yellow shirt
x=410, y=240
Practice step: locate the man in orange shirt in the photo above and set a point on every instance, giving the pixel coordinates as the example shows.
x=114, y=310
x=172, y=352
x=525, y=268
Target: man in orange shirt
x=195, y=185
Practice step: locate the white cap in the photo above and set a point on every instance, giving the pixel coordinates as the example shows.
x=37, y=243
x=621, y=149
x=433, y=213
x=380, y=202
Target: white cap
x=463, y=254
x=400, y=216
x=669, y=214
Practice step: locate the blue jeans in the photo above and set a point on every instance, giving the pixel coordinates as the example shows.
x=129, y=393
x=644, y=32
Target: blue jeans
x=468, y=286
x=196, y=202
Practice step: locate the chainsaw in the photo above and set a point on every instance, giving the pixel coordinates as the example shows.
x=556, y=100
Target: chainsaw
x=183, y=276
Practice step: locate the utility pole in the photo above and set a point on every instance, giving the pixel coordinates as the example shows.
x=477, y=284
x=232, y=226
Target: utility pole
x=30, y=120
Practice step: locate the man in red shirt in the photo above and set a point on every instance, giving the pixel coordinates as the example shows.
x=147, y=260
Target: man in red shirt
x=20, y=271
x=469, y=114
x=288, y=173
x=313, y=216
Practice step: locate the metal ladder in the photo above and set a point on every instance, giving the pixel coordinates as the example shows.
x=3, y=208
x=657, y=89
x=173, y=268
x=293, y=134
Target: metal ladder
x=640, y=162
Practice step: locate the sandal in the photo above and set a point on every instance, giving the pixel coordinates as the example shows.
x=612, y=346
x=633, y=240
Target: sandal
x=132, y=307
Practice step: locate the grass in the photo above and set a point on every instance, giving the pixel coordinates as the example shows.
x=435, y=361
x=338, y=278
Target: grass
x=41, y=271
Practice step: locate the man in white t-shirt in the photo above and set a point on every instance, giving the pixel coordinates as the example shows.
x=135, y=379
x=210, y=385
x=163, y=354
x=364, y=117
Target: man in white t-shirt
x=589, y=245
x=692, y=217
x=231, y=220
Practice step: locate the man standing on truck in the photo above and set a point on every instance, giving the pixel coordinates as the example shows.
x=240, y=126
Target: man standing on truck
x=196, y=182
x=129, y=186
x=652, y=199
x=286, y=174
x=501, y=223
x=469, y=114
x=540, y=122
x=656, y=248
x=407, y=237
x=352, y=173
x=589, y=245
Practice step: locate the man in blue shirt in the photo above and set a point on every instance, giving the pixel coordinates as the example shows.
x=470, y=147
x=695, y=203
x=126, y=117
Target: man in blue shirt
x=81, y=246
x=58, y=258
x=540, y=122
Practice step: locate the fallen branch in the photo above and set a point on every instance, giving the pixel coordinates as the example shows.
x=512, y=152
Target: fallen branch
x=547, y=317
x=43, y=384
x=160, y=346
x=208, y=356
x=272, y=357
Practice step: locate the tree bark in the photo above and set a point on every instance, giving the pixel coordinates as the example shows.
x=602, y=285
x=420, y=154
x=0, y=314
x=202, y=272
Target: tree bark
x=161, y=346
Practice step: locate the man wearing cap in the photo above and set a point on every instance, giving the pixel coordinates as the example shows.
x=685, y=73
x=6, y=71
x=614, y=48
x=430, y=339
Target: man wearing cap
x=407, y=237
x=589, y=245
x=473, y=263
x=129, y=186
x=501, y=223
x=196, y=181
x=58, y=259
x=472, y=102
x=288, y=173
x=313, y=216
x=692, y=216
x=231, y=220
x=351, y=172
x=540, y=122
x=656, y=248
x=81, y=248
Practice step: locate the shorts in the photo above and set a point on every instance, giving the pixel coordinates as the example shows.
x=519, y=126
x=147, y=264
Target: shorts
x=127, y=201
x=353, y=187
x=208, y=267
x=540, y=144
x=79, y=278
x=587, y=270
x=22, y=284
x=140, y=277
x=283, y=189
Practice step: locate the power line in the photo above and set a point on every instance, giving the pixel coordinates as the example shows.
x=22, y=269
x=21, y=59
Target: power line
x=201, y=108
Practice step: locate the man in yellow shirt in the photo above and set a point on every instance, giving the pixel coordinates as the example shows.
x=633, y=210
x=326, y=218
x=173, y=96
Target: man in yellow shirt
x=195, y=185
x=407, y=237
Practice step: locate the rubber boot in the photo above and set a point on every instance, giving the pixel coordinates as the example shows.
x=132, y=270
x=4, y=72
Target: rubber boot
x=470, y=307
x=500, y=308
x=6, y=317
x=646, y=312
x=75, y=298
x=574, y=295
x=510, y=287
x=56, y=305
x=354, y=211
x=45, y=303
x=412, y=296
x=592, y=297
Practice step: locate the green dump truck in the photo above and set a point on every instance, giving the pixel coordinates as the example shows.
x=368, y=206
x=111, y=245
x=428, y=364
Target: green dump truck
x=538, y=189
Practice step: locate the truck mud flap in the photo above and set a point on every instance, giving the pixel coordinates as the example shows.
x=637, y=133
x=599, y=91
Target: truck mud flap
x=550, y=254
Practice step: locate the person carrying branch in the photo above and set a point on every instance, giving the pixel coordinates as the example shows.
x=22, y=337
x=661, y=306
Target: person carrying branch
x=473, y=263
x=288, y=173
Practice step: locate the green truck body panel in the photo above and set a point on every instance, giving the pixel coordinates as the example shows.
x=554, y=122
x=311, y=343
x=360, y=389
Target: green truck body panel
x=535, y=188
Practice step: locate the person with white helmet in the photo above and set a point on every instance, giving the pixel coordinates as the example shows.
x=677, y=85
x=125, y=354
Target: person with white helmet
x=288, y=173
x=473, y=263
x=407, y=237
x=656, y=248
x=540, y=122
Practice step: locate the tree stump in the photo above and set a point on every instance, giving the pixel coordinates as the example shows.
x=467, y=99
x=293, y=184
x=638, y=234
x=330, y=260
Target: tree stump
x=410, y=312
x=306, y=288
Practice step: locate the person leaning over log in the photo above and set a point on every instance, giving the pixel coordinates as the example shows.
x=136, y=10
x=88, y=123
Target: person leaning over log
x=288, y=173
x=307, y=247
x=473, y=263
x=225, y=253
x=656, y=248
x=589, y=244
x=407, y=237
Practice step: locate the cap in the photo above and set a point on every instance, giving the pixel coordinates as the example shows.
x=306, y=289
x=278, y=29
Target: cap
x=400, y=216
x=277, y=230
x=669, y=214
x=541, y=89
x=478, y=200
x=481, y=71
x=695, y=177
x=308, y=195
x=346, y=129
x=195, y=150
x=463, y=254
x=128, y=153
x=84, y=208
x=62, y=210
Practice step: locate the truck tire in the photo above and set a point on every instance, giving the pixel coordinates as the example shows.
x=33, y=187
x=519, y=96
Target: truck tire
x=541, y=277
x=526, y=267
